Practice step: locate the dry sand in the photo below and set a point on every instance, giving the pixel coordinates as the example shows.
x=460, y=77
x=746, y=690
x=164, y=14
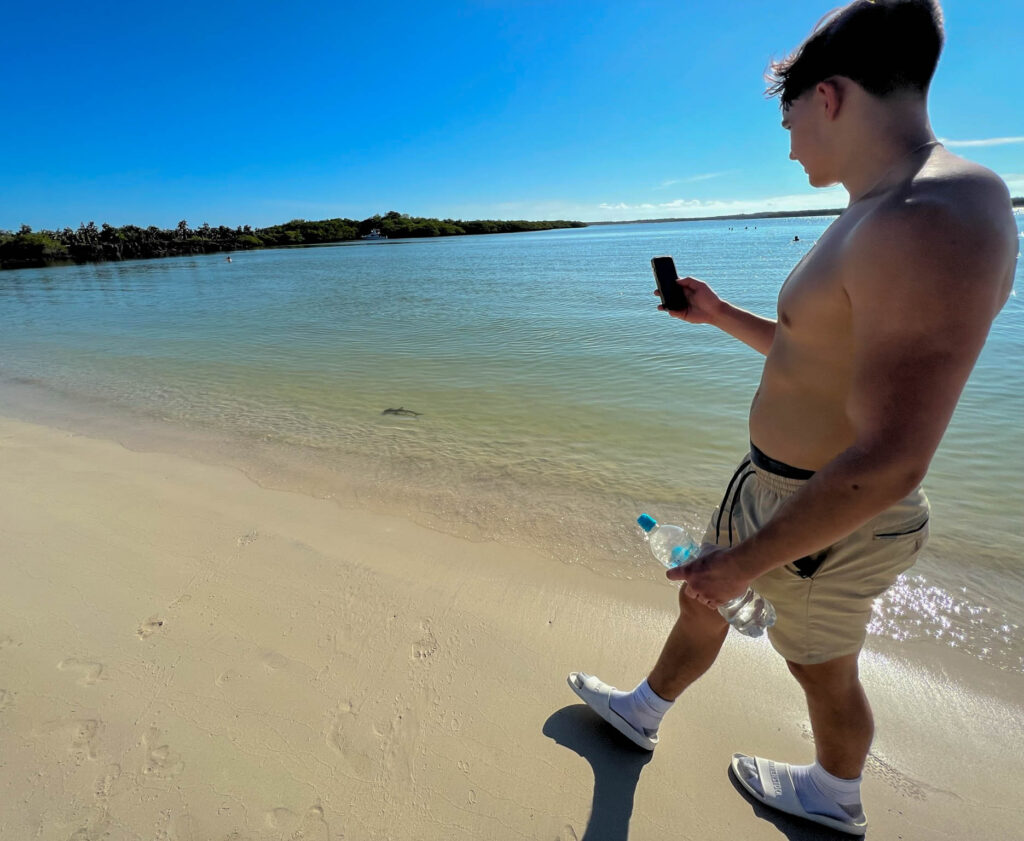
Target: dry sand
x=187, y=655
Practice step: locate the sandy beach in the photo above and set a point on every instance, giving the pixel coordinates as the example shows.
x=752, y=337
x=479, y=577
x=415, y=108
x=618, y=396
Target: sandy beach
x=186, y=655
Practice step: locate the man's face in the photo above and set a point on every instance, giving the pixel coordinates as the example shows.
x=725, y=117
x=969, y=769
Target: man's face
x=803, y=119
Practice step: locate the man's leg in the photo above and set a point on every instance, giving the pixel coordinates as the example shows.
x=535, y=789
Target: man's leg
x=690, y=649
x=843, y=727
x=840, y=714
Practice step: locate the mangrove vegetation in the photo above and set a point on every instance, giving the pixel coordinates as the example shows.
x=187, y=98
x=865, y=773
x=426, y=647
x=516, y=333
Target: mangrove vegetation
x=89, y=243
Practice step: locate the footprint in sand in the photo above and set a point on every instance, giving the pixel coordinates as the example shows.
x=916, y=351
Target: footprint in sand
x=249, y=537
x=90, y=672
x=80, y=734
x=426, y=646
x=99, y=830
x=349, y=737
x=105, y=784
x=150, y=627
x=6, y=699
x=280, y=818
x=160, y=761
x=5, y=642
x=310, y=826
x=272, y=660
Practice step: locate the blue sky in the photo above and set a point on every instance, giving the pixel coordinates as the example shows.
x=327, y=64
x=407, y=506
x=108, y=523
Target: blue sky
x=256, y=113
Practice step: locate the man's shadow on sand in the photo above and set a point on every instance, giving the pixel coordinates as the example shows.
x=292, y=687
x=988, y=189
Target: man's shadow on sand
x=617, y=763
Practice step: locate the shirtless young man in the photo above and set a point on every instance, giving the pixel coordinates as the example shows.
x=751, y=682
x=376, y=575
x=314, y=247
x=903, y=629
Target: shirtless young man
x=878, y=329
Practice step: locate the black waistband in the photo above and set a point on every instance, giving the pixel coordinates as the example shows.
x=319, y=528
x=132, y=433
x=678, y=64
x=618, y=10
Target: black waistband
x=779, y=468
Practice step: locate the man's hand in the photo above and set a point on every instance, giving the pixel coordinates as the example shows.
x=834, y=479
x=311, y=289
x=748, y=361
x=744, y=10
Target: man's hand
x=704, y=303
x=714, y=578
x=707, y=308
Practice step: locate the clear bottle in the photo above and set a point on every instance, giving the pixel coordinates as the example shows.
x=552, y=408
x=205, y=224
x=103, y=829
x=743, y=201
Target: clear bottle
x=750, y=614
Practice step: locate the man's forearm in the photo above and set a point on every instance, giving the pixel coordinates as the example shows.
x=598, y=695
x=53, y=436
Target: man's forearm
x=753, y=330
x=842, y=496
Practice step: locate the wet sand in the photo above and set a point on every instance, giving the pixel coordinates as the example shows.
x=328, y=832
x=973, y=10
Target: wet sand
x=186, y=655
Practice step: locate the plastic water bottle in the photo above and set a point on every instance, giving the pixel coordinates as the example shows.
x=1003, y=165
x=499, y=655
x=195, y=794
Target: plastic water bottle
x=749, y=614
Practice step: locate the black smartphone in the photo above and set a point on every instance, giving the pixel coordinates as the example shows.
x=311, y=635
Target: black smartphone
x=673, y=296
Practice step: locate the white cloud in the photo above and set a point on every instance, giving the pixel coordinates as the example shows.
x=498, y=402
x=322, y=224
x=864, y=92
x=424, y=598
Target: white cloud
x=989, y=141
x=614, y=210
x=676, y=204
x=692, y=179
x=832, y=197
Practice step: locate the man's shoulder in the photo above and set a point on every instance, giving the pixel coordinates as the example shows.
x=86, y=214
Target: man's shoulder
x=950, y=200
x=949, y=181
x=948, y=229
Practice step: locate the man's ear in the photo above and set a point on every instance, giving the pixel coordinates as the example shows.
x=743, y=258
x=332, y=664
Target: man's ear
x=832, y=93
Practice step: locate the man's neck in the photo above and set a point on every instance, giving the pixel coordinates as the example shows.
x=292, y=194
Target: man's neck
x=893, y=141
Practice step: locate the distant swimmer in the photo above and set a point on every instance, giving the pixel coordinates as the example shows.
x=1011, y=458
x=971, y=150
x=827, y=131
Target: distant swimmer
x=229, y=259
x=796, y=239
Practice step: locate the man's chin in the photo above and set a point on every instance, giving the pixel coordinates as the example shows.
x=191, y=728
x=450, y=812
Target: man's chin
x=820, y=182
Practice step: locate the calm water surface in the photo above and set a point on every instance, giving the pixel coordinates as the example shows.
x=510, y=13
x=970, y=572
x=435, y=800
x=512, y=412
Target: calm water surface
x=555, y=402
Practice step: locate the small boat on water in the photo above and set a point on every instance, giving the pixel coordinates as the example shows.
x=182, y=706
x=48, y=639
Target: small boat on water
x=374, y=234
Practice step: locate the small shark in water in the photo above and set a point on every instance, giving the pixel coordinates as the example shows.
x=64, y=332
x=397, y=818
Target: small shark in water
x=405, y=413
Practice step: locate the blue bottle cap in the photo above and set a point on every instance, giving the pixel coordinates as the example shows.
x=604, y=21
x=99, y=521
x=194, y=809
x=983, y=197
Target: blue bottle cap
x=647, y=522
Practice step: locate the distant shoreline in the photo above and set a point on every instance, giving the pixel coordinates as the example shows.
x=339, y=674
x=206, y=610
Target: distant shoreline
x=89, y=244
x=765, y=214
x=1017, y=201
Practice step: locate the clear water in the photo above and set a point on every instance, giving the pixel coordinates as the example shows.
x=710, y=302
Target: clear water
x=555, y=403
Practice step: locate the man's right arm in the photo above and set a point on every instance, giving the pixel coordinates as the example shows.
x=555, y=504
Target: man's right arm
x=707, y=308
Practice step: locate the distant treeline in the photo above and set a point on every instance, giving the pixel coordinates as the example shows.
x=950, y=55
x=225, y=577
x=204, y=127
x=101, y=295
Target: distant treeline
x=88, y=243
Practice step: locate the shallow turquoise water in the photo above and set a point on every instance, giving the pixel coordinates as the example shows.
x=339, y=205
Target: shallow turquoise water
x=555, y=402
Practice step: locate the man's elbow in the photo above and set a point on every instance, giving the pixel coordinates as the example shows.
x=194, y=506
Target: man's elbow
x=909, y=478
x=896, y=473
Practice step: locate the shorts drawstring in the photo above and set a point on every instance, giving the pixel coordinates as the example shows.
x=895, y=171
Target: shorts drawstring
x=735, y=498
x=721, y=508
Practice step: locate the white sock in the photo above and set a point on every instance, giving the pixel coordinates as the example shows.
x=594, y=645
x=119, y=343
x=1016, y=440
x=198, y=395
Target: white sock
x=643, y=707
x=822, y=794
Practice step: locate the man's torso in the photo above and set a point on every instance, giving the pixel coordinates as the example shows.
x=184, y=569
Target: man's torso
x=799, y=414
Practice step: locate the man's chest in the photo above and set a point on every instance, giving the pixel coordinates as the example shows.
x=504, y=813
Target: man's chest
x=813, y=303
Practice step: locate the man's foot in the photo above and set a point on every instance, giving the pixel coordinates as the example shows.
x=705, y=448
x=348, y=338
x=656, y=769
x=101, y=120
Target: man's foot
x=599, y=697
x=802, y=790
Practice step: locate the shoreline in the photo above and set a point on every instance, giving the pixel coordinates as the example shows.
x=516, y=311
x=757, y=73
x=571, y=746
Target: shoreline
x=186, y=649
x=567, y=524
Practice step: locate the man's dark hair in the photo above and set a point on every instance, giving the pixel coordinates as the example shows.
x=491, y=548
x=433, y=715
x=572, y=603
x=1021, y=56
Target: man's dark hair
x=885, y=46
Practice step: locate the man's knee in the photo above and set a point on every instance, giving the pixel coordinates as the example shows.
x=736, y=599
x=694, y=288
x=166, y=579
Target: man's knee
x=840, y=673
x=698, y=614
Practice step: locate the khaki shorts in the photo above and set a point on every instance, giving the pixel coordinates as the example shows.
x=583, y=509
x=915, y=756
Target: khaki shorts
x=823, y=602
